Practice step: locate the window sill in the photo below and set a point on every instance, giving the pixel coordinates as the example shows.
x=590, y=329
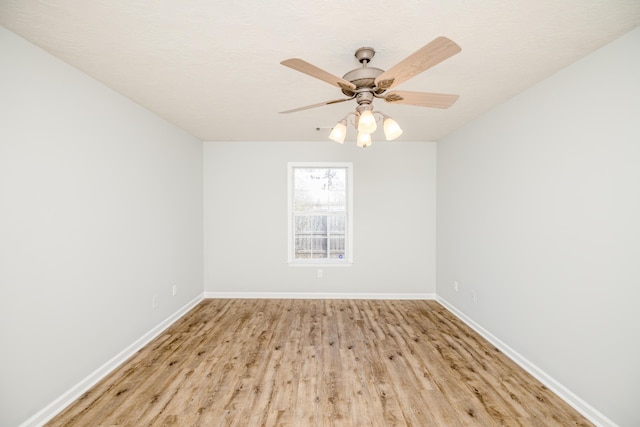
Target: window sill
x=320, y=264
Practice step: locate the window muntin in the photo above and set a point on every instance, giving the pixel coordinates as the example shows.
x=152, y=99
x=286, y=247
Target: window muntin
x=320, y=213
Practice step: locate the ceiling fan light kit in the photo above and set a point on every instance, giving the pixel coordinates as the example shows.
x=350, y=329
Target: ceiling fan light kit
x=365, y=123
x=366, y=83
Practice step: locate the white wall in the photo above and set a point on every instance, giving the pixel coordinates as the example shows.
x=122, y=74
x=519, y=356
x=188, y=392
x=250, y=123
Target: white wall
x=538, y=212
x=245, y=199
x=100, y=208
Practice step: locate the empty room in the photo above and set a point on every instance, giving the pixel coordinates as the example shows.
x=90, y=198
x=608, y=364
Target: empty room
x=327, y=213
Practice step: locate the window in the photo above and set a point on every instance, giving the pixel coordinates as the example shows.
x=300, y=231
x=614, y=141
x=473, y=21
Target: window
x=320, y=213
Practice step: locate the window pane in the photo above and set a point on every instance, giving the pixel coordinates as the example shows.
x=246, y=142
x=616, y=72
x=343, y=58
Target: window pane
x=337, y=247
x=318, y=247
x=318, y=224
x=337, y=244
x=337, y=224
x=302, y=224
x=303, y=248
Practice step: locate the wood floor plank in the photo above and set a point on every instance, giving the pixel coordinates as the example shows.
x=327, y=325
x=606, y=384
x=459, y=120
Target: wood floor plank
x=319, y=363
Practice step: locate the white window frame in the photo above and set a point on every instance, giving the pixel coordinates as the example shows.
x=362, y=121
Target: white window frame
x=348, y=259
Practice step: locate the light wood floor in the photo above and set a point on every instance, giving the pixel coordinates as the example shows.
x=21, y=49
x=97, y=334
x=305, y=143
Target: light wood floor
x=319, y=363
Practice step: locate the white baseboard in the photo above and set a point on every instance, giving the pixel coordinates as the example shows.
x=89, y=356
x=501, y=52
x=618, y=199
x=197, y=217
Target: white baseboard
x=51, y=410
x=588, y=411
x=317, y=295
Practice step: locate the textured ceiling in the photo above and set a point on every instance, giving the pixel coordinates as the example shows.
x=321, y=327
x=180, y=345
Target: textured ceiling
x=213, y=67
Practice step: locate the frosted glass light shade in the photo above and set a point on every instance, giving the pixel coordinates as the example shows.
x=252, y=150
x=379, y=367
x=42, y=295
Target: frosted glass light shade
x=364, y=140
x=367, y=122
x=391, y=129
x=338, y=133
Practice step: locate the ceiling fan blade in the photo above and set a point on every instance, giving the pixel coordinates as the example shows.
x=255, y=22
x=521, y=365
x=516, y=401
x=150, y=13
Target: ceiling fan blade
x=423, y=99
x=313, y=71
x=320, y=104
x=429, y=55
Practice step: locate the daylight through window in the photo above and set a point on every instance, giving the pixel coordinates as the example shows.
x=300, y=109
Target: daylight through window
x=319, y=213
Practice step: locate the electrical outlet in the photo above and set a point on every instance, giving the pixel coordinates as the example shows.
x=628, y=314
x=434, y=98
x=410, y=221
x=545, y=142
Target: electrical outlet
x=320, y=274
x=174, y=290
x=154, y=301
x=455, y=285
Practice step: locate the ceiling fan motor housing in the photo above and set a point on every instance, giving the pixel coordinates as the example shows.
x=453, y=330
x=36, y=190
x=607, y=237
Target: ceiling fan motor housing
x=363, y=78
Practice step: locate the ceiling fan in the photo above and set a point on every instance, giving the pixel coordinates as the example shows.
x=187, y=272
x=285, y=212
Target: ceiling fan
x=366, y=83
